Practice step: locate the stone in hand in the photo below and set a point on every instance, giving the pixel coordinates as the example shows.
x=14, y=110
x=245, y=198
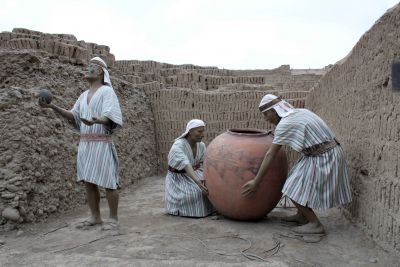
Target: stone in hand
x=46, y=95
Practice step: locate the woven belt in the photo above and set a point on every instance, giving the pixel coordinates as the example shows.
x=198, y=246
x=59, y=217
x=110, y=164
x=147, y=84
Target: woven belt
x=320, y=148
x=175, y=170
x=96, y=137
x=196, y=167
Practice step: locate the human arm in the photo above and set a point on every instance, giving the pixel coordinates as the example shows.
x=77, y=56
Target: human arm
x=251, y=186
x=190, y=172
x=63, y=112
x=178, y=158
x=99, y=120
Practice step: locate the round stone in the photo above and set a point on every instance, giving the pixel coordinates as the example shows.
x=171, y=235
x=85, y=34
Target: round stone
x=46, y=95
x=10, y=214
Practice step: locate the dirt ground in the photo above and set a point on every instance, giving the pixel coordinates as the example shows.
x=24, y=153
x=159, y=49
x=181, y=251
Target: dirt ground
x=149, y=237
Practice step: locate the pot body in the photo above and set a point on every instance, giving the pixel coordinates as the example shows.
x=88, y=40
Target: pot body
x=232, y=159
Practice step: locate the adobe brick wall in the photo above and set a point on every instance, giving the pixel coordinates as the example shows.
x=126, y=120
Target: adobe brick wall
x=355, y=97
x=211, y=78
x=172, y=109
x=222, y=98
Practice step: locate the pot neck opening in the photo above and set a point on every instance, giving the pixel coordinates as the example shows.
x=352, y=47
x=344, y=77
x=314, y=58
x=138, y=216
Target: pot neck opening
x=249, y=132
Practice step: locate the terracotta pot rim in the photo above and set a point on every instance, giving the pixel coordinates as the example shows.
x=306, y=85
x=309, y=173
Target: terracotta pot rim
x=248, y=132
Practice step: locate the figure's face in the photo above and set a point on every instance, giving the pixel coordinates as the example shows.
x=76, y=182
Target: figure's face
x=271, y=116
x=196, y=134
x=94, y=73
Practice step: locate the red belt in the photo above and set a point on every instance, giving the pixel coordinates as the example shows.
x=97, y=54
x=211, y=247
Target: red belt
x=196, y=167
x=96, y=137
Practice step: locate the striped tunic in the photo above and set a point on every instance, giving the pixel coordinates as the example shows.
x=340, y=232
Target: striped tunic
x=182, y=195
x=318, y=182
x=97, y=161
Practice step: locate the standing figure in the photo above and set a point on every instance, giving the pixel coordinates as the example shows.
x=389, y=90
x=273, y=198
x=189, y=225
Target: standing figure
x=96, y=114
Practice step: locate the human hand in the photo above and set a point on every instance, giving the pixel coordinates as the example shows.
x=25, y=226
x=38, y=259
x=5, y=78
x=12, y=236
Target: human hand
x=202, y=187
x=96, y=120
x=45, y=98
x=101, y=120
x=43, y=103
x=249, y=188
x=87, y=122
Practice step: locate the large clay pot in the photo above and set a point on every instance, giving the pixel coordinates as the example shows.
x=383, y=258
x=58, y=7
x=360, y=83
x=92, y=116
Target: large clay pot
x=232, y=159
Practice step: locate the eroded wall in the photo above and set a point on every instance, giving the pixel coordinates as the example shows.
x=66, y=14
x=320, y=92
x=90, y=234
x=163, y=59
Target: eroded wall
x=64, y=47
x=355, y=97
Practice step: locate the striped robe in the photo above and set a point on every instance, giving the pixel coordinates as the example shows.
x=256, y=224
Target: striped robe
x=97, y=161
x=182, y=195
x=318, y=182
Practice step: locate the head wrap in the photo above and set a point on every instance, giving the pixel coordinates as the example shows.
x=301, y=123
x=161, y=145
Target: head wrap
x=101, y=63
x=281, y=107
x=191, y=125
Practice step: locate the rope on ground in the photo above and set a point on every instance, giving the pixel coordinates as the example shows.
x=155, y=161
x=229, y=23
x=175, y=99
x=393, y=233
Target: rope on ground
x=275, y=249
x=55, y=229
x=83, y=244
x=307, y=238
x=243, y=252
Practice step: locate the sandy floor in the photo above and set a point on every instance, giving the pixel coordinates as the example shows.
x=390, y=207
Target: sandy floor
x=148, y=237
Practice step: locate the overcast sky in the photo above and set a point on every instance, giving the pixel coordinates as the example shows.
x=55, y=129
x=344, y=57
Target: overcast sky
x=246, y=34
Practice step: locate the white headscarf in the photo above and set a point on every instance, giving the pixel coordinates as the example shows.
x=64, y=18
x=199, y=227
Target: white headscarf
x=281, y=107
x=191, y=125
x=103, y=65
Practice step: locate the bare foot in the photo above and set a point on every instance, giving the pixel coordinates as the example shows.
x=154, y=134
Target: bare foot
x=110, y=224
x=88, y=223
x=297, y=218
x=310, y=228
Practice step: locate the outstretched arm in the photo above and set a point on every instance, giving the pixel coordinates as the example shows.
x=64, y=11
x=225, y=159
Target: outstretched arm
x=251, y=186
x=65, y=113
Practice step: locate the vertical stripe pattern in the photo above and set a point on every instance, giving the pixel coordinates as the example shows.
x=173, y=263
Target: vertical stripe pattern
x=182, y=195
x=318, y=182
x=97, y=161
